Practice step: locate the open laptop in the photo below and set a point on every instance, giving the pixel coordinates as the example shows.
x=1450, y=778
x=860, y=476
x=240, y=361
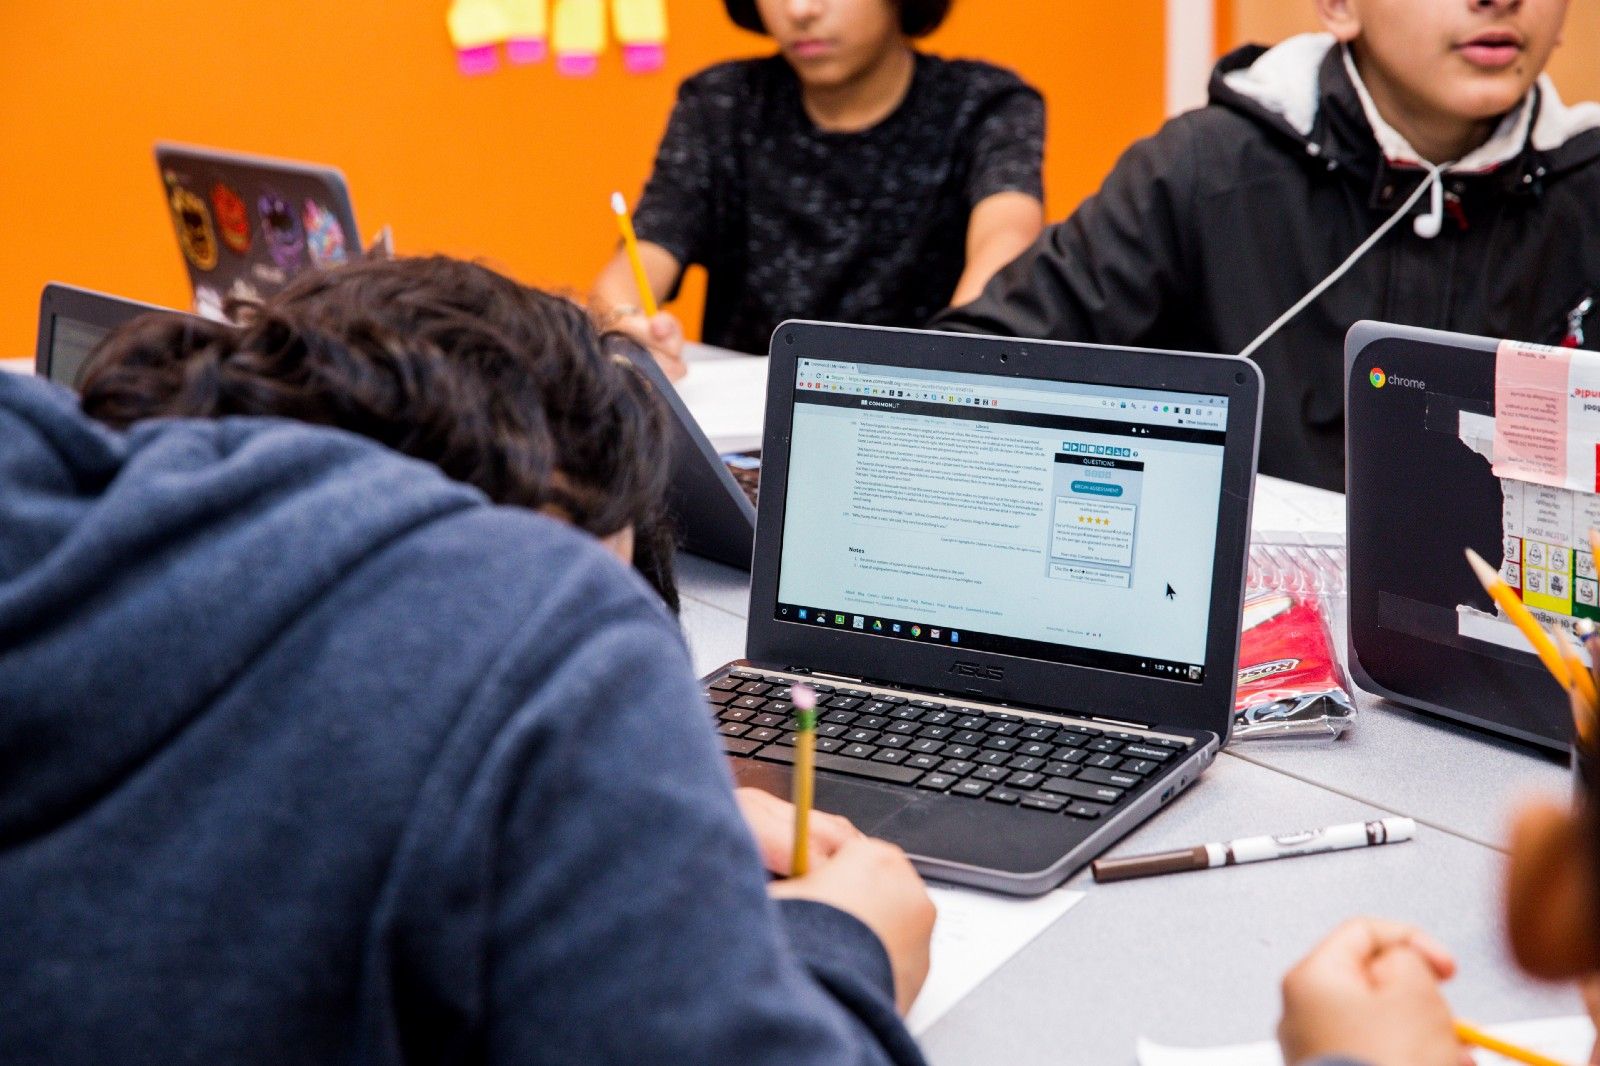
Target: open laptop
x=1013, y=572
x=1421, y=487
x=247, y=224
x=72, y=321
x=712, y=496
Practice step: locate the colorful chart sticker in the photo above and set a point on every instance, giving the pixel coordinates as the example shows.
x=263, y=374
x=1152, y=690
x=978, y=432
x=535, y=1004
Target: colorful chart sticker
x=324, y=235
x=579, y=36
x=195, y=235
x=233, y=218
x=476, y=27
x=642, y=31
x=527, y=30
x=281, y=229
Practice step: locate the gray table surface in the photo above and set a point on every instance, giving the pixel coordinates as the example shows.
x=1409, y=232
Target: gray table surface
x=1196, y=959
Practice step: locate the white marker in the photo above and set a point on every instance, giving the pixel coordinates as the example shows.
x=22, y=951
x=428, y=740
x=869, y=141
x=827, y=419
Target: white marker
x=1258, y=849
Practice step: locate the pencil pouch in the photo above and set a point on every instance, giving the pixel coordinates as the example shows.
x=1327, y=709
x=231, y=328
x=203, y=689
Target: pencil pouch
x=1291, y=683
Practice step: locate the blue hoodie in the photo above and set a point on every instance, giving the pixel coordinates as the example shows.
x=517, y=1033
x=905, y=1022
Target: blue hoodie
x=309, y=755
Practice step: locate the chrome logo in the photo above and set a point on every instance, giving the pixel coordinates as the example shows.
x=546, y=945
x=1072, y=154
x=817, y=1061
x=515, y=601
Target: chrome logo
x=1378, y=378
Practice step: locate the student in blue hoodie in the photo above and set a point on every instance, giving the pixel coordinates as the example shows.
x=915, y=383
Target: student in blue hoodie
x=332, y=729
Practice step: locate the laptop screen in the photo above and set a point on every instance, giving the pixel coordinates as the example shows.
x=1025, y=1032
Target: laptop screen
x=71, y=341
x=1067, y=522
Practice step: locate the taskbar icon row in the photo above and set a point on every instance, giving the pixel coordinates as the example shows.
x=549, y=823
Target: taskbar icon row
x=866, y=623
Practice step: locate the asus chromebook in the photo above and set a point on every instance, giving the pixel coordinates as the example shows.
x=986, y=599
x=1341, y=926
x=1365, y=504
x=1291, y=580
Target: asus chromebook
x=1012, y=571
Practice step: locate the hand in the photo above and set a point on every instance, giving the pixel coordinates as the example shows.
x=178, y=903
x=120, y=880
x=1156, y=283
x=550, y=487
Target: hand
x=772, y=821
x=875, y=882
x=662, y=335
x=1371, y=992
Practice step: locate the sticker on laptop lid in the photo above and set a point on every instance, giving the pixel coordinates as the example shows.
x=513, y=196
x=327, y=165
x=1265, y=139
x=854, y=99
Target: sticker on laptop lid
x=324, y=235
x=233, y=217
x=196, y=236
x=281, y=229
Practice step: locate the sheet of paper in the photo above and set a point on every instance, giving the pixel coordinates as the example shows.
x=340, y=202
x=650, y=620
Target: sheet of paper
x=728, y=397
x=1563, y=1039
x=975, y=933
x=1547, y=415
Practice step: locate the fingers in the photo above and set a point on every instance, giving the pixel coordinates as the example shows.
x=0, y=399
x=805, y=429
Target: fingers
x=771, y=821
x=1359, y=941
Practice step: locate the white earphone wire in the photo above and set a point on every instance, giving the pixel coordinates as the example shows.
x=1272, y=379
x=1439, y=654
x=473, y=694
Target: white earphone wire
x=1434, y=181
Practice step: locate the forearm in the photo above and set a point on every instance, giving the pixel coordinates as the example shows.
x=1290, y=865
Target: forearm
x=616, y=290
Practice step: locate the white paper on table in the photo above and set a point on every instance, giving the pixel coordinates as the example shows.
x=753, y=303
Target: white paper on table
x=728, y=397
x=975, y=933
x=1563, y=1039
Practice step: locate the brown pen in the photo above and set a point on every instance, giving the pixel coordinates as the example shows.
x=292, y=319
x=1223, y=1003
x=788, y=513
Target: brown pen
x=1257, y=849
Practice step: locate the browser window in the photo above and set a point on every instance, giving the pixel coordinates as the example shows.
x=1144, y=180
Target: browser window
x=1062, y=521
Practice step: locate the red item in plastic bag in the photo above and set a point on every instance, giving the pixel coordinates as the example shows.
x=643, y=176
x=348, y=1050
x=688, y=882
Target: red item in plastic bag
x=1290, y=681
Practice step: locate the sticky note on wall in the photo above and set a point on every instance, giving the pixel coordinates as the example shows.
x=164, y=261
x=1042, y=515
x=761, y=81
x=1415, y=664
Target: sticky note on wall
x=578, y=35
x=642, y=31
x=476, y=28
x=527, y=30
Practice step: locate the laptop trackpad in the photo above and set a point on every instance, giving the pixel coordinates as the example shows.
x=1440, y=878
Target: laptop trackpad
x=867, y=805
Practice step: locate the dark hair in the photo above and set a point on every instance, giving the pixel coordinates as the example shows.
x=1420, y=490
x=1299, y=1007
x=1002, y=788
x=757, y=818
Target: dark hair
x=918, y=18
x=499, y=385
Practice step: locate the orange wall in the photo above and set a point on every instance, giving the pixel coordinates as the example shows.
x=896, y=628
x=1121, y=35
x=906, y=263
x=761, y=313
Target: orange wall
x=515, y=166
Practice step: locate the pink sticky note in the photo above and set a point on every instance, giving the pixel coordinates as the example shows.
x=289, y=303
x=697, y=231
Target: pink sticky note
x=478, y=60
x=577, y=64
x=523, y=51
x=644, y=58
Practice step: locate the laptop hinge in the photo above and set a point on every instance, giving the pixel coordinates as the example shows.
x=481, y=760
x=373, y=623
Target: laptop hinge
x=976, y=697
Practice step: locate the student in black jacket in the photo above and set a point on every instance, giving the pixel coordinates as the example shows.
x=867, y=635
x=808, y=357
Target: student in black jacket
x=1207, y=232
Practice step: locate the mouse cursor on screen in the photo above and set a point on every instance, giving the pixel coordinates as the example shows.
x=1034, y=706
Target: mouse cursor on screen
x=1170, y=593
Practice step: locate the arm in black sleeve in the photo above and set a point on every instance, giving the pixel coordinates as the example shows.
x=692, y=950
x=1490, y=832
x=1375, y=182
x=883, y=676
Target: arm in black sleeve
x=1008, y=149
x=1115, y=271
x=675, y=210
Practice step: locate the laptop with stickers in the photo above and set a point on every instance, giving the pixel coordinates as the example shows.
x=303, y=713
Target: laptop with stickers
x=247, y=224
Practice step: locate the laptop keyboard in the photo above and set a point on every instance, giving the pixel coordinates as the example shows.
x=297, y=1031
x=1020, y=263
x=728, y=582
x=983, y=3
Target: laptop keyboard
x=1084, y=771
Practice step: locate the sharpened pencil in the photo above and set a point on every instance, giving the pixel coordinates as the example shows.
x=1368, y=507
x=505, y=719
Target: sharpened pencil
x=630, y=241
x=1468, y=1033
x=805, y=772
x=1522, y=618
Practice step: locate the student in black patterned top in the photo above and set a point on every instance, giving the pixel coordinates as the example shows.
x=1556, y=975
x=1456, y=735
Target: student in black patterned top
x=850, y=177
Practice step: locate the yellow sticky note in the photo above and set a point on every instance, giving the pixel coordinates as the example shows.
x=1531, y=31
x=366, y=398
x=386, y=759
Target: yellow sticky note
x=640, y=21
x=476, y=26
x=527, y=27
x=642, y=29
x=578, y=35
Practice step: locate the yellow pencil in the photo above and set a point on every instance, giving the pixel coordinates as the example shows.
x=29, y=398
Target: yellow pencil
x=1515, y=610
x=1468, y=1033
x=805, y=772
x=630, y=241
x=1582, y=682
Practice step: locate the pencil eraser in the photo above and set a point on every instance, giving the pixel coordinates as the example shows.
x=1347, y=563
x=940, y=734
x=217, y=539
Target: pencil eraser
x=643, y=58
x=478, y=60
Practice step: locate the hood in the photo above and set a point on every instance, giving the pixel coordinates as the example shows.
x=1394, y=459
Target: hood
x=1307, y=90
x=141, y=572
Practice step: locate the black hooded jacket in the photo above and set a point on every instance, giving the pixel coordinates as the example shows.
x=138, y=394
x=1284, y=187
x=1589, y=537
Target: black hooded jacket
x=1206, y=232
